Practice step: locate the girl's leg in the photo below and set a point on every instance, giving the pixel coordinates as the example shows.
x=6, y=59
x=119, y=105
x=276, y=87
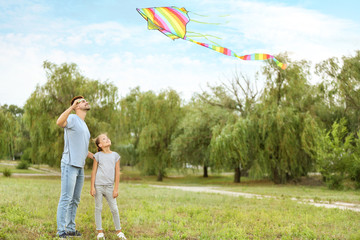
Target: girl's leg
x=98, y=206
x=113, y=207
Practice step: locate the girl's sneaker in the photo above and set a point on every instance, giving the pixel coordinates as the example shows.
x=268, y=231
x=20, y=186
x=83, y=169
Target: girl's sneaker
x=100, y=236
x=121, y=235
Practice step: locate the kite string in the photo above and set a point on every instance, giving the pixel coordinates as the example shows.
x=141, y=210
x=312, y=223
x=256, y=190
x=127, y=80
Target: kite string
x=197, y=21
x=200, y=15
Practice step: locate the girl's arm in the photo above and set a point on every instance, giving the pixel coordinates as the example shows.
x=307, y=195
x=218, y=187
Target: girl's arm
x=93, y=174
x=117, y=179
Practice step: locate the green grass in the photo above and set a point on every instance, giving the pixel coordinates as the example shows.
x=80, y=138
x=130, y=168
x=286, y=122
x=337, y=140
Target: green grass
x=28, y=211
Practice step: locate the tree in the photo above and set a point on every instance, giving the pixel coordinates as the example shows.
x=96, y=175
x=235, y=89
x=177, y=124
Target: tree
x=194, y=133
x=287, y=121
x=130, y=113
x=7, y=127
x=343, y=81
x=159, y=116
x=354, y=168
x=231, y=143
x=335, y=154
x=231, y=146
x=47, y=102
x=12, y=134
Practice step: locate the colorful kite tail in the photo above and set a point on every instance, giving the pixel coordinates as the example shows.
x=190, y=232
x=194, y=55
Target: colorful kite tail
x=228, y=52
x=262, y=56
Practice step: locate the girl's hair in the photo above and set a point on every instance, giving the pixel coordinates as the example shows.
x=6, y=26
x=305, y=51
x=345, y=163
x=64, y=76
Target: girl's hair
x=97, y=141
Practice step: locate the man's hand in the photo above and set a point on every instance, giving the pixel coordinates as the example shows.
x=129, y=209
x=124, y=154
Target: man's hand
x=76, y=102
x=62, y=120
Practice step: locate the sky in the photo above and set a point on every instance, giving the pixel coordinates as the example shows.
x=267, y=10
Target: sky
x=109, y=41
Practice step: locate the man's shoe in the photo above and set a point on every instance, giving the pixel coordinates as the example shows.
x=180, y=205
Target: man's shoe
x=64, y=235
x=74, y=234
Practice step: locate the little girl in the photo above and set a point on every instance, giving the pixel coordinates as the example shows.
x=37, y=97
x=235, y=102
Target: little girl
x=106, y=171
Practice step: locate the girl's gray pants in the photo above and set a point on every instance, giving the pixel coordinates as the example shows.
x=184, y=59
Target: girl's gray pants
x=107, y=192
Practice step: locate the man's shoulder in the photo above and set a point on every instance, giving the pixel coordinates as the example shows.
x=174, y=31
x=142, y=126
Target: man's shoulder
x=75, y=119
x=71, y=117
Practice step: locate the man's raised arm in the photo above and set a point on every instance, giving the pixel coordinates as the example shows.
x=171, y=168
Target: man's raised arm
x=62, y=120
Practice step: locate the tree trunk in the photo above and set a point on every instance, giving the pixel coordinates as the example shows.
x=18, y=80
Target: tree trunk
x=160, y=176
x=237, y=175
x=276, y=176
x=205, y=172
x=277, y=173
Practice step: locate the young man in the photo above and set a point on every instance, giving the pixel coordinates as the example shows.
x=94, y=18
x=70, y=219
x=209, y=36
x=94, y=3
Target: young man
x=76, y=144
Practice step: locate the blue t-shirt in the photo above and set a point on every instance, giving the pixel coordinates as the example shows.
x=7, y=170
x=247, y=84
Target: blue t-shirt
x=76, y=141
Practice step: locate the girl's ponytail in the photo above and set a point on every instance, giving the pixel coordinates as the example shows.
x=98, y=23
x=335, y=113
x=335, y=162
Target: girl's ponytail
x=97, y=142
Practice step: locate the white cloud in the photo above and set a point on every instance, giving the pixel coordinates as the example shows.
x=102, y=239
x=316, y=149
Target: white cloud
x=307, y=34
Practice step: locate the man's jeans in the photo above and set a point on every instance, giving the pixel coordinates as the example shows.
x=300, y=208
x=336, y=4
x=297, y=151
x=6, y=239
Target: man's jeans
x=72, y=181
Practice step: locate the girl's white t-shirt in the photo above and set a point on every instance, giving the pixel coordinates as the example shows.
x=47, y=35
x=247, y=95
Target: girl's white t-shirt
x=105, y=174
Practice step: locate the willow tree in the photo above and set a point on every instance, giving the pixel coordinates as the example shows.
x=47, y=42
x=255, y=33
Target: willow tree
x=193, y=135
x=235, y=145
x=47, y=102
x=342, y=80
x=159, y=116
x=232, y=143
x=13, y=137
x=287, y=121
x=130, y=130
x=7, y=134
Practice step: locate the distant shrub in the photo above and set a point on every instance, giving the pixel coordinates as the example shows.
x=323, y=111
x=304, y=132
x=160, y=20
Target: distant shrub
x=26, y=155
x=23, y=165
x=335, y=182
x=7, y=172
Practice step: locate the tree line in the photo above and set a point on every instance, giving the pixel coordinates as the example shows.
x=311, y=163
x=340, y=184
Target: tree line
x=283, y=131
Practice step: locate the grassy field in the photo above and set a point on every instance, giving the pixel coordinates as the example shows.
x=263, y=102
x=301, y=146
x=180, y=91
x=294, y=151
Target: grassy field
x=28, y=211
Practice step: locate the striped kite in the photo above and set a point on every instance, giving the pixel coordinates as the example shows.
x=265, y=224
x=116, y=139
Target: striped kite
x=172, y=22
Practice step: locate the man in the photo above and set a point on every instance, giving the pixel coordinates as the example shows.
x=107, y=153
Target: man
x=76, y=144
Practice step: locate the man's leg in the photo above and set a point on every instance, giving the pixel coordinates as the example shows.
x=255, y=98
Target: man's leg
x=74, y=203
x=68, y=180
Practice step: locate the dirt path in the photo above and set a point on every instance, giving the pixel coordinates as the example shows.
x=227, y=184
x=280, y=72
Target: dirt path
x=41, y=171
x=339, y=205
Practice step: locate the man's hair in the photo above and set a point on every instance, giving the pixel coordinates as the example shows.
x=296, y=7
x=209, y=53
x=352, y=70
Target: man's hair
x=75, y=98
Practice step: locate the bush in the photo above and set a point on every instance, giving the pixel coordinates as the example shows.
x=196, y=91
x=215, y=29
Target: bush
x=7, y=172
x=335, y=182
x=23, y=165
x=335, y=154
x=26, y=155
